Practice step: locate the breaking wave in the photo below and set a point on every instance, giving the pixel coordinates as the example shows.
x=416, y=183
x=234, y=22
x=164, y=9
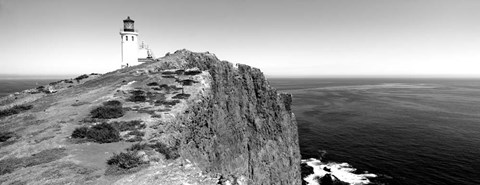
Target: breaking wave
x=342, y=172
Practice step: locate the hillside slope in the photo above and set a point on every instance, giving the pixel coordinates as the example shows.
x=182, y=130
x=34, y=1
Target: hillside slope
x=188, y=118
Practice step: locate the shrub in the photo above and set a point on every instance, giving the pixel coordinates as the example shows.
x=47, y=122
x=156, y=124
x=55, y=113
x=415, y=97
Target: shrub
x=138, y=96
x=167, y=102
x=14, y=110
x=136, y=133
x=163, y=86
x=138, y=146
x=128, y=125
x=113, y=103
x=168, y=76
x=4, y=136
x=187, y=82
x=152, y=84
x=110, y=109
x=168, y=72
x=181, y=96
x=125, y=160
x=80, y=132
x=81, y=77
x=55, y=83
x=179, y=72
x=192, y=72
x=103, y=133
x=169, y=152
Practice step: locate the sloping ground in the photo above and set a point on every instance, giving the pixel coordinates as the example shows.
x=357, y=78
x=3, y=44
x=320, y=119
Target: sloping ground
x=198, y=121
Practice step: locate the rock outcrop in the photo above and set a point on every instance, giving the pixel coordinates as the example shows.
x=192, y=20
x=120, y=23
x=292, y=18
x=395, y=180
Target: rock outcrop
x=201, y=121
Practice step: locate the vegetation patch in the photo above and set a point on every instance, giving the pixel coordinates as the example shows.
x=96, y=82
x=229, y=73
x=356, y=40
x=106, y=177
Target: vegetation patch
x=80, y=132
x=152, y=84
x=123, y=163
x=138, y=147
x=169, y=152
x=192, y=72
x=167, y=102
x=168, y=76
x=101, y=133
x=136, y=133
x=11, y=164
x=109, y=110
x=15, y=110
x=128, y=125
x=81, y=77
x=167, y=88
x=4, y=136
x=181, y=96
x=137, y=96
x=187, y=82
x=110, y=132
x=135, y=139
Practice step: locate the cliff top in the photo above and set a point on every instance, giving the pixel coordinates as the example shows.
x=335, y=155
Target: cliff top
x=142, y=124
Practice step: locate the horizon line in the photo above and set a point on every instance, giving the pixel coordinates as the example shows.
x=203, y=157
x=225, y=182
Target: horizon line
x=67, y=76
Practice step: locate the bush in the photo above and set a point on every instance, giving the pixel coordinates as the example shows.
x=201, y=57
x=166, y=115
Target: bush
x=152, y=84
x=4, y=136
x=110, y=109
x=80, y=132
x=181, y=96
x=187, y=82
x=103, y=133
x=168, y=76
x=192, y=72
x=114, y=103
x=138, y=146
x=167, y=102
x=125, y=160
x=128, y=125
x=81, y=77
x=179, y=72
x=14, y=110
x=136, y=133
x=138, y=96
x=169, y=152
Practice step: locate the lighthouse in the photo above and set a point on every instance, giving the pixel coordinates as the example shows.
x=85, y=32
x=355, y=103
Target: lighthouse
x=129, y=43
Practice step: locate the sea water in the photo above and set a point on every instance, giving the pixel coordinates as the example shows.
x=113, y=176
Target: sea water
x=388, y=131
x=9, y=86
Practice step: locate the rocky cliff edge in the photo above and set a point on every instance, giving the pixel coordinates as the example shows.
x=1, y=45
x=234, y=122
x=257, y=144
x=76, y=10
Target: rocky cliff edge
x=187, y=118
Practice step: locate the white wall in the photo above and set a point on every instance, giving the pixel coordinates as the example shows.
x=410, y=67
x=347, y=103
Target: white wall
x=129, y=48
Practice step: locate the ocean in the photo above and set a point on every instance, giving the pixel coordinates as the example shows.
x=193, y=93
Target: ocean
x=389, y=131
x=379, y=131
x=9, y=86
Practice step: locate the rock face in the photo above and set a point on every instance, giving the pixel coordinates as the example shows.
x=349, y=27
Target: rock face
x=212, y=122
x=243, y=128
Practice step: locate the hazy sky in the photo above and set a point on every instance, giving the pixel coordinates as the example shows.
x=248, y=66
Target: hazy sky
x=283, y=38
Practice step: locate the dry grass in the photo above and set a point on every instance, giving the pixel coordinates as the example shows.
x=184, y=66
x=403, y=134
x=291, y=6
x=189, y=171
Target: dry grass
x=11, y=164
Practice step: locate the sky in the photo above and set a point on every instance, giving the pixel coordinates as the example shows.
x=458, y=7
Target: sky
x=284, y=38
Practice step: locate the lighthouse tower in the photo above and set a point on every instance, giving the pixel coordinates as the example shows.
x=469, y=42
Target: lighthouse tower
x=129, y=44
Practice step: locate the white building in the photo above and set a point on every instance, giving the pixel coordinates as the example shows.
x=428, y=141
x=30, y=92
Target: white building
x=129, y=43
x=145, y=54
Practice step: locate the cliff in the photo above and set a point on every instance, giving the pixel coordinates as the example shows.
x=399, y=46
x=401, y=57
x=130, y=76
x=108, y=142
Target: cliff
x=188, y=118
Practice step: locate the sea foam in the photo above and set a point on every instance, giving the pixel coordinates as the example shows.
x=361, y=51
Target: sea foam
x=338, y=171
